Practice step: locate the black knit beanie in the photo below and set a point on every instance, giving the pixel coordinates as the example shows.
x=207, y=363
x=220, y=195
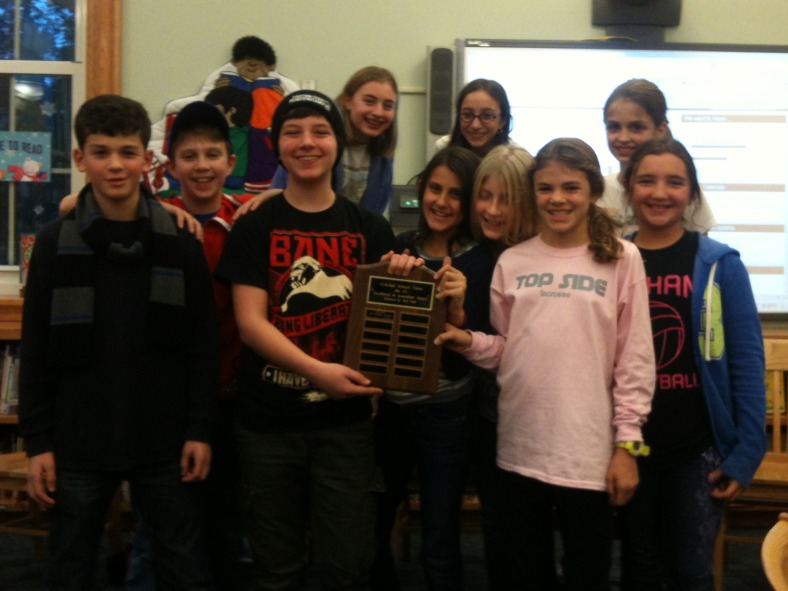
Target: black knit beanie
x=314, y=101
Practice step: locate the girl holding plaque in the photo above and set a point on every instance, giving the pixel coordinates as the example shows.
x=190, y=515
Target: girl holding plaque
x=433, y=432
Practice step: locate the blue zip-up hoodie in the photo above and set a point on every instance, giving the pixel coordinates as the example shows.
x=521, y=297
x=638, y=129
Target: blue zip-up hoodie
x=728, y=346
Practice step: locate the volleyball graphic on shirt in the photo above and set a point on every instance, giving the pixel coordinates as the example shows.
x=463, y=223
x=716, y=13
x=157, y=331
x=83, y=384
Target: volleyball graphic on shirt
x=669, y=333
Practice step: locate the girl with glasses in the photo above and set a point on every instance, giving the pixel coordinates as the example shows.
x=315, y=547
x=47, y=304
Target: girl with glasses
x=483, y=118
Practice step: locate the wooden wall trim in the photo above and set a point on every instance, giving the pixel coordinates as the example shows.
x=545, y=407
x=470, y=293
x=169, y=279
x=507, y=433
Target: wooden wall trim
x=102, y=59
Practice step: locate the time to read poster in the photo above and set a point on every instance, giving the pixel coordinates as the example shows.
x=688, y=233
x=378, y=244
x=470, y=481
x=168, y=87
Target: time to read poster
x=25, y=156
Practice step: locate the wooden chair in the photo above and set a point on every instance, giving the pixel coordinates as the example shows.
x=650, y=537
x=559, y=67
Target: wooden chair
x=774, y=554
x=408, y=518
x=759, y=505
x=19, y=515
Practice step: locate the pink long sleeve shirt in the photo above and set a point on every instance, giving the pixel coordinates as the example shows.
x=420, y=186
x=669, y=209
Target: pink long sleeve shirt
x=575, y=360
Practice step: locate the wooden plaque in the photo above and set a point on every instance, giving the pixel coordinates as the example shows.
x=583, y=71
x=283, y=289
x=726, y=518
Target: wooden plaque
x=393, y=324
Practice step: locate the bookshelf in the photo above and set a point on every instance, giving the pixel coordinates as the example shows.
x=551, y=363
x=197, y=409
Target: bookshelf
x=10, y=331
x=10, y=319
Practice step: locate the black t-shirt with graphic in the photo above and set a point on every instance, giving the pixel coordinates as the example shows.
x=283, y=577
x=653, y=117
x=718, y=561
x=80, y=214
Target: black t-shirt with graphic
x=305, y=262
x=678, y=426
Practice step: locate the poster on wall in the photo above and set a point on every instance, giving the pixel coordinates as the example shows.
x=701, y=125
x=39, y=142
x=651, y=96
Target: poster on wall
x=25, y=156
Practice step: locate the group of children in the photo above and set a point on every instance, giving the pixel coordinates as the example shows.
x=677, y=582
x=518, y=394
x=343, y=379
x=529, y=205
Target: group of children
x=549, y=378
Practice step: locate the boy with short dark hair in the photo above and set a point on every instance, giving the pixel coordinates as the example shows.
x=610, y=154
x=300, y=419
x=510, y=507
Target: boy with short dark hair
x=119, y=360
x=304, y=426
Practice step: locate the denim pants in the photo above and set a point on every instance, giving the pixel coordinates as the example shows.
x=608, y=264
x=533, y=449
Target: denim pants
x=224, y=531
x=309, y=481
x=171, y=509
x=669, y=528
x=139, y=574
x=585, y=523
x=434, y=437
x=488, y=485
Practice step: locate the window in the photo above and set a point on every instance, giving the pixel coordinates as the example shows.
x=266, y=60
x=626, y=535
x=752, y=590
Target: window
x=42, y=81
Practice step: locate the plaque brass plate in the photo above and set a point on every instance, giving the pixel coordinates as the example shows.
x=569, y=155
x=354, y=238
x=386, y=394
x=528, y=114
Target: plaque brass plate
x=393, y=323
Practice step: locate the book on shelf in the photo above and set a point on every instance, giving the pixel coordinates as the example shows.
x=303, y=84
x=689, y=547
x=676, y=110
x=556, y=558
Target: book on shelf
x=12, y=399
x=26, y=243
x=9, y=381
x=11, y=442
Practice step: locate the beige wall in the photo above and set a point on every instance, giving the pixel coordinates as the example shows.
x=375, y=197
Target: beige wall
x=169, y=46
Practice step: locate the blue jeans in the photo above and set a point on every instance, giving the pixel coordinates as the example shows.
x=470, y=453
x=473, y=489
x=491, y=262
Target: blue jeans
x=309, y=480
x=139, y=576
x=172, y=510
x=585, y=523
x=436, y=438
x=669, y=528
x=224, y=531
x=224, y=522
x=488, y=486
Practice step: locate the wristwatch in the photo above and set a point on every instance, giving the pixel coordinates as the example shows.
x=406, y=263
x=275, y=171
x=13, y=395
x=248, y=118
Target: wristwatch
x=635, y=448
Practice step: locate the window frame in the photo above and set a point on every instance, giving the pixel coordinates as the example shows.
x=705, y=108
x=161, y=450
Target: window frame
x=102, y=47
x=95, y=70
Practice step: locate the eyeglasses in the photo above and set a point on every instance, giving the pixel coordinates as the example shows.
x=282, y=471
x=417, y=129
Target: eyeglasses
x=469, y=116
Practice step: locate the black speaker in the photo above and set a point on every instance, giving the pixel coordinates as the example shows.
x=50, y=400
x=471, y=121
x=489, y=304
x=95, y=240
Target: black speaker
x=661, y=13
x=440, y=89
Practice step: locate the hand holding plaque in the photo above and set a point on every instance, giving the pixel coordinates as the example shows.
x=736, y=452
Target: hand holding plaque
x=393, y=323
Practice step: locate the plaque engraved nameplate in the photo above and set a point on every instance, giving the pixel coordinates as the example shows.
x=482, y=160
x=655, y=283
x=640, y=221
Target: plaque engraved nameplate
x=392, y=328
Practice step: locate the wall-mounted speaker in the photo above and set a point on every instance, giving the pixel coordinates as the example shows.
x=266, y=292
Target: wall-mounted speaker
x=660, y=13
x=440, y=89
